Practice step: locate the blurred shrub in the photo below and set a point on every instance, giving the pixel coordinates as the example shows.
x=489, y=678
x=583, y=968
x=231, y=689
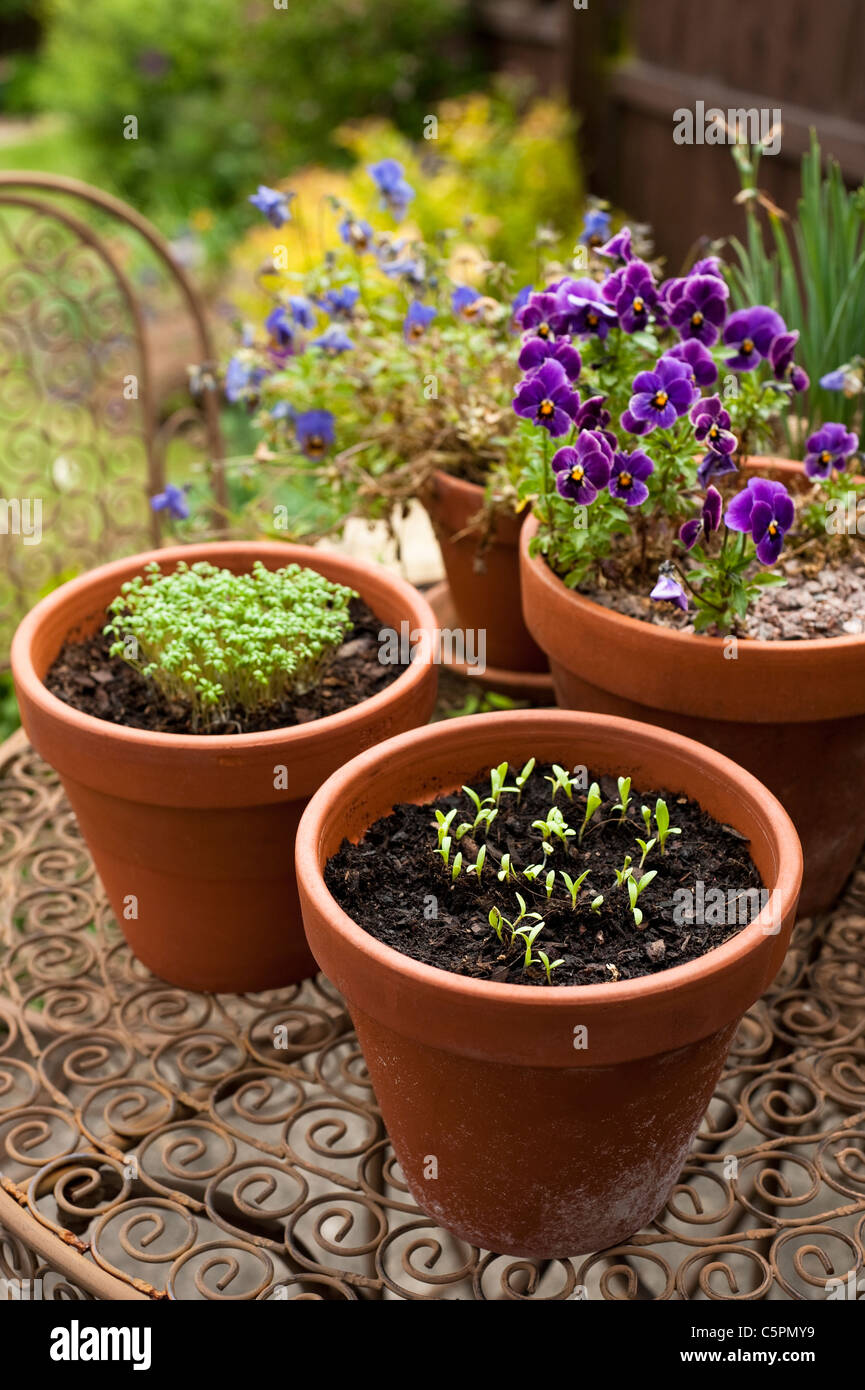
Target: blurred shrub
x=228, y=94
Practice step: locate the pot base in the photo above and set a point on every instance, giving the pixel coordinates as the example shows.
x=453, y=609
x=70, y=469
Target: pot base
x=536, y=686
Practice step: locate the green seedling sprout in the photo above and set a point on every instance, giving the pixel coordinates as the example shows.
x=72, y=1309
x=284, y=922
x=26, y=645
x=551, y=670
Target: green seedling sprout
x=478, y=866
x=485, y=817
x=529, y=934
x=506, y=871
x=623, y=875
x=573, y=885
x=533, y=872
x=645, y=846
x=444, y=850
x=456, y=867
x=496, y=921
x=595, y=904
x=549, y=966
x=555, y=825
x=497, y=783
x=524, y=777
x=473, y=797
x=550, y=881
x=593, y=801
x=662, y=821
x=647, y=818
x=635, y=888
x=560, y=781
x=624, y=796
x=443, y=825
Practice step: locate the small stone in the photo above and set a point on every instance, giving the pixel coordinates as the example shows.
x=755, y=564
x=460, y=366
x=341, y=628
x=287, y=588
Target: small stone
x=656, y=950
x=852, y=626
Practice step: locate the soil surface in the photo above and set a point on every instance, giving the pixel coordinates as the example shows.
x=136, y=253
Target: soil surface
x=86, y=677
x=815, y=602
x=395, y=886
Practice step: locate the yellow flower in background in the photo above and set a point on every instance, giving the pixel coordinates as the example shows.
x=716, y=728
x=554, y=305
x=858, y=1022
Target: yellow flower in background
x=201, y=220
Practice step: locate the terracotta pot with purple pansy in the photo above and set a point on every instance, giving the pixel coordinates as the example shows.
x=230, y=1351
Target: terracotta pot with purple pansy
x=667, y=573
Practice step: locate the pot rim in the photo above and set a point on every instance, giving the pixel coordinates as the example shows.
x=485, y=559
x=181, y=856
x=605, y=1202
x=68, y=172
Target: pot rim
x=325, y=806
x=51, y=707
x=675, y=640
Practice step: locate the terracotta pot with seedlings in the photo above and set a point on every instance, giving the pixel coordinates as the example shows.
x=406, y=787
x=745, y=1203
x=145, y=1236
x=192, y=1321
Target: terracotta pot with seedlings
x=671, y=578
x=546, y=984
x=188, y=737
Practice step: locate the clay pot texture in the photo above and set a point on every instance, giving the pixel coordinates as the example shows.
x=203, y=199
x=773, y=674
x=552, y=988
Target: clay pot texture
x=792, y=713
x=508, y=1132
x=191, y=835
x=488, y=599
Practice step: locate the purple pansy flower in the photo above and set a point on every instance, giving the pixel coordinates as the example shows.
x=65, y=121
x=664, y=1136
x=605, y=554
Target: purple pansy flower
x=547, y=398
x=750, y=332
x=709, y=265
x=315, y=432
x=274, y=204
x=539, y=313
x=714, y=464
x=301, y=310
x=765, y=509
x=417, y=320
x=279, y=326
x=584, y=309
x=660, y=396
x=781, y=351
x=703, y=525
x=712, y=425
x=357, y=234
x=172, y=500
x=830, y=447
x=696, y=307
x=334, y=340
x=834, y=381
x=583, y=469
x=596, y=227
x=698, y=358
x=464, y=301
x=521, y=298
x=627, y=481
x=339, y=303
x=536, y=351
x=396, y=193
x=618, y=248
x=667, y=590
x=633, y=295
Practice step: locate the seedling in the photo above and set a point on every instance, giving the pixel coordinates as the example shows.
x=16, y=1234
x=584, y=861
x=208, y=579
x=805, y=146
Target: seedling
x=506, y=870
x=524, y=777
x=555, y=826
x=623, y=874
x=444, y=850
x=624, y=784
x=478, y=866
x=593, y=801
x=561, y=781
x=456, y=867
x=573, y=885
x=529, y=934
x=635, y=888
x=596, y=904
x=549, y=966
x=662, y=821
x=497, y=783
x=645, y=846
x=496, y=921
x=550, y=881
x=646, y=813
x=443, y=824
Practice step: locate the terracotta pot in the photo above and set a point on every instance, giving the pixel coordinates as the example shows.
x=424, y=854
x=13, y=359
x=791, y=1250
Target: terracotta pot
x=506, y=1132
x=793, y=713
x=487, y=599
x=191, y=831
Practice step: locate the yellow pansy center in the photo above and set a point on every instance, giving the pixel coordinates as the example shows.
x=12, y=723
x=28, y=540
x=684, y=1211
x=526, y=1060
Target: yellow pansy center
x=578, y=473
x=546, y=409
x=748, y=346
x=659, y=400
x=696, y=319
x=625, y=480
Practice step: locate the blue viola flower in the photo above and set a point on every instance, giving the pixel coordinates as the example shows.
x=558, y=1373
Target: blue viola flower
x=241, y=379
x=596, y=227
x=173, y=501
x=333, y=340
x=315, y=432
x=751, y=332
x=704, y=372
x=279, y=326
x=417, y=320
x=521, y=298
x=703, y=525
x=629, y=473
x=340, y=302
x=546, y=398
x=283, y=410
x=389, y=178
x=765, y=509
x=302, y=311
x=668, y=590
x=536, y=351
x=660, y=396
x=273, y=204
x=357, y=234
x=829, y=447
x=834, y=381
x=464, y=302
x=583, y=469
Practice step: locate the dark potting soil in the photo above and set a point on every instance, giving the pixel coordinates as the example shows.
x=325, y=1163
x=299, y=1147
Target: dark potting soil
x=396, y=887
x=86, y=677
